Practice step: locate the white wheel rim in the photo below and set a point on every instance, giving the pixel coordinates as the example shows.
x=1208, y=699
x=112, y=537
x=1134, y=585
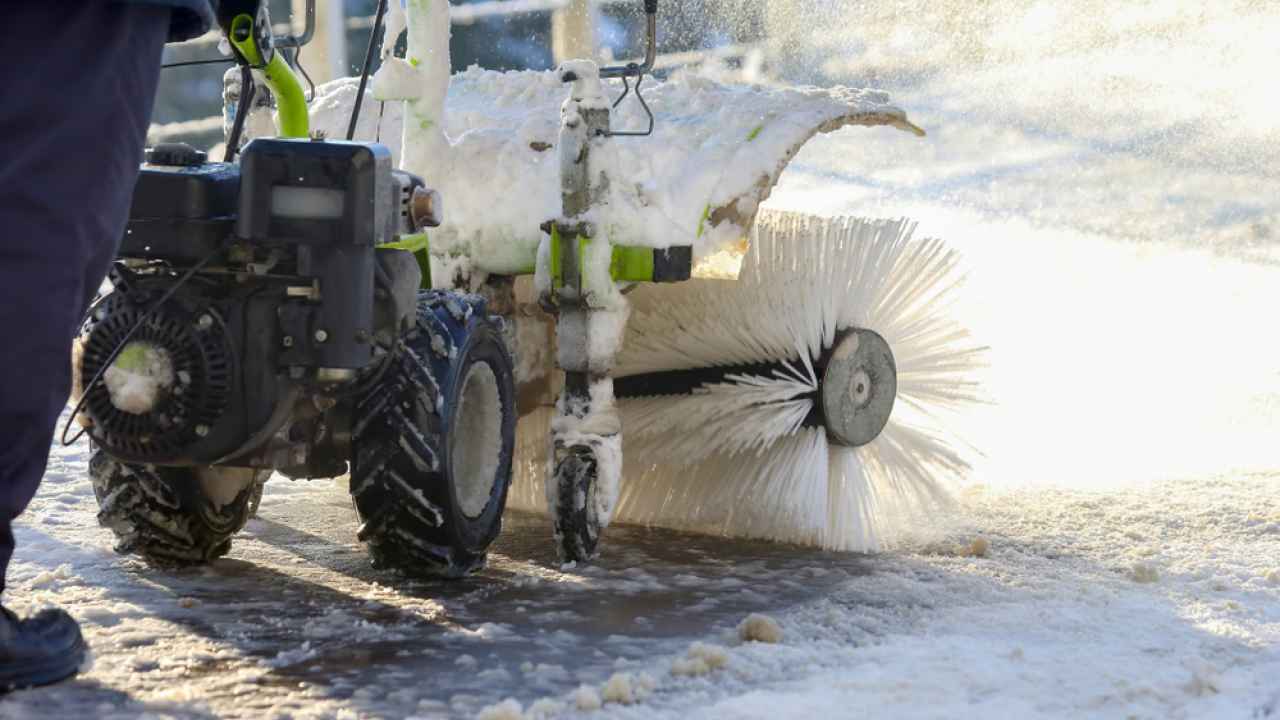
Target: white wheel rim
x=475, y=446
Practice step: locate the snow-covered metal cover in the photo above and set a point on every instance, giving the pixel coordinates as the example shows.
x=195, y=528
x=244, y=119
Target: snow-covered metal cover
x=716, y=152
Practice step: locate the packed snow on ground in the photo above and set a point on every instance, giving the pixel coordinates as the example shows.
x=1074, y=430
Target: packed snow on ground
x=1116, y=554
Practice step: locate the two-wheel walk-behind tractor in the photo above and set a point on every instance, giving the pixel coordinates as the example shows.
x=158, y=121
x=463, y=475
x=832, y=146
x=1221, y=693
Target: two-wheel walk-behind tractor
x=288, y=314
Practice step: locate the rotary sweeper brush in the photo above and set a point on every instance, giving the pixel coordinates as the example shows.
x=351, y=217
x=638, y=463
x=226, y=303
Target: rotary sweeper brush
x=289, y=312
x=798, y=402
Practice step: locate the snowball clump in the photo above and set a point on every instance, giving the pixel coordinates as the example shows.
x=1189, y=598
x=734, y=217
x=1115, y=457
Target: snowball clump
x=701, y=659
x=759, y=628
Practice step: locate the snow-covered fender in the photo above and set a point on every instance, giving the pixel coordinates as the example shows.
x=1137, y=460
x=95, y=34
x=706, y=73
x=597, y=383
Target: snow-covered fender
x=715, y=154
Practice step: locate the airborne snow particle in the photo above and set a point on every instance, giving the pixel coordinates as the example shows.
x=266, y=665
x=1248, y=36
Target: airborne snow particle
x=508, y=709
x=759, y=628
x=586, y=698
x=1273, y=577
x=1144, y=573
x=618, y=689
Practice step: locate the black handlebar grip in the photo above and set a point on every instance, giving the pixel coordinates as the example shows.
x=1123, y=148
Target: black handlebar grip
x=651, y=7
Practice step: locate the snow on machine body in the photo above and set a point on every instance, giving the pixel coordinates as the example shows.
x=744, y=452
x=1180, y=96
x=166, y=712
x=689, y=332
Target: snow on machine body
x=313, y=309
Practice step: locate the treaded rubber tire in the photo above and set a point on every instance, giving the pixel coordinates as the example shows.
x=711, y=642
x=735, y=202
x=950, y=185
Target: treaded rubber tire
x=577, y=527
x=403, y=481
x=256, y=491
x=162, y=513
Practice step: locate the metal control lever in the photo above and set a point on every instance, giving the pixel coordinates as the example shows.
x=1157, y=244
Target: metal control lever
x=637, y=71
x=651, y=49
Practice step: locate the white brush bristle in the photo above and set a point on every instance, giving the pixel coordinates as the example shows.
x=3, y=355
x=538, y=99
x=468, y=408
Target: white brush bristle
x=734, y=457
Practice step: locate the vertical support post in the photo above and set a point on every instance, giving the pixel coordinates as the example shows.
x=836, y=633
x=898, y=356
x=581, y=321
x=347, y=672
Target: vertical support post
x=586, y=459
x=584, y=127
x=573, y=32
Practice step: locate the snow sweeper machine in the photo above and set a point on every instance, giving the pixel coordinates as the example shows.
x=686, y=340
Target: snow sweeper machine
x=554, y=291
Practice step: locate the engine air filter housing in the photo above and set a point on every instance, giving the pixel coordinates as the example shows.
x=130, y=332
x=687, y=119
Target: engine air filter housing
x=316, y=193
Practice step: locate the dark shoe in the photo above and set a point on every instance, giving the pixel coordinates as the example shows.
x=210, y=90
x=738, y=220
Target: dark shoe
x=42, y=649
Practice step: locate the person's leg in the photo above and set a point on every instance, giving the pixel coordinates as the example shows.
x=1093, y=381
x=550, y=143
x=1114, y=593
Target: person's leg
x=79, y=82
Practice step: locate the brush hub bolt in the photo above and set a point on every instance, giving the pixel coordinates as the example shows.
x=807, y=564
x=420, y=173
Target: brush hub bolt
x=287, y=341
x=202, y=430
x=321, y=336
x=204, y=322
x=859, y=386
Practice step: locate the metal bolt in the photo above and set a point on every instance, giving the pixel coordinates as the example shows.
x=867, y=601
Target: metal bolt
x=287, y=341
x=205, y=322
x=426, y=209
x=202, y=430
x=321, y=336
x=860, y=387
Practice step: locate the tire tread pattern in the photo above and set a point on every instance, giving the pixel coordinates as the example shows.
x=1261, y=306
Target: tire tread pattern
x=396, y=470
x=161, y=514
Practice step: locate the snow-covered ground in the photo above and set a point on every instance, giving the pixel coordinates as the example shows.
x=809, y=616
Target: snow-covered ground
x=1116, y=554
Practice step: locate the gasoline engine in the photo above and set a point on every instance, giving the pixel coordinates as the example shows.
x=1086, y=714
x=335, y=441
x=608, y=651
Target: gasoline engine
x=262, y=295
x=269, y=315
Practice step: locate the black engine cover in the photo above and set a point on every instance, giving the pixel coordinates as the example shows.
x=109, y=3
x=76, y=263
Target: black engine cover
x=182, y=213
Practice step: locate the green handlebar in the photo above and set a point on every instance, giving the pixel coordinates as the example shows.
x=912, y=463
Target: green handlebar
x=291, y=104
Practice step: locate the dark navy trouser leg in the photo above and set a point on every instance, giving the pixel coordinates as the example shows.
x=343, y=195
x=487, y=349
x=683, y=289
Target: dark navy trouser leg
x=79, y=80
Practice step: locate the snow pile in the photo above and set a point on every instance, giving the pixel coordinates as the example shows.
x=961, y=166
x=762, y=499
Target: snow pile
x=508, y=709
x=759, y=628
x=1144, y=572
x=701, y=659
x=50, y=577
x=587, y=698
x=138, y=377
x=978, y=547
x=626, y=688
x=715, y=153
x=619, y=689
x=545, y=709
